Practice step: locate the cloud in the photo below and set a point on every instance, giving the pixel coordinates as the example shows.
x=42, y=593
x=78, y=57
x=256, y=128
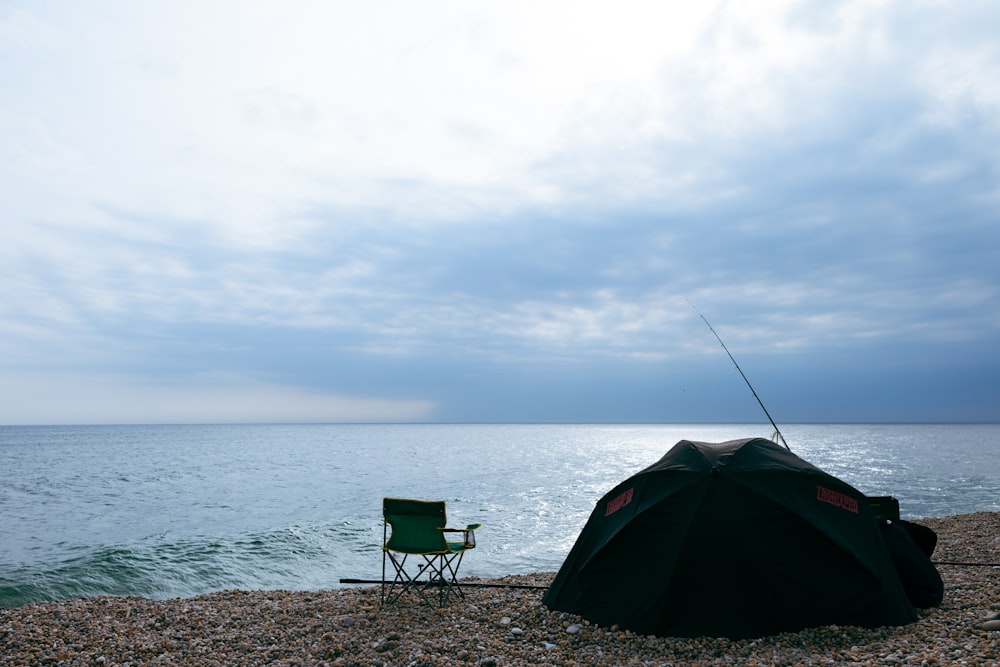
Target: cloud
x=496, y=210
x=100, y=399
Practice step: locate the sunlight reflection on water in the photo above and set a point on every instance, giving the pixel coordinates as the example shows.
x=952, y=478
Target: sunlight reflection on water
x=167, y=511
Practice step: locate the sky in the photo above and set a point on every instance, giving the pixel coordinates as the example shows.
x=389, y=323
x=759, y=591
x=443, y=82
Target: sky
x=321, y=211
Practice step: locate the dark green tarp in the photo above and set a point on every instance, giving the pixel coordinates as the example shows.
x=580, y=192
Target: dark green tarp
x=738, y=539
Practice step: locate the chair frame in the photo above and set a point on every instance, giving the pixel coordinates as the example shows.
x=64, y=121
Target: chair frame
x=438, y=562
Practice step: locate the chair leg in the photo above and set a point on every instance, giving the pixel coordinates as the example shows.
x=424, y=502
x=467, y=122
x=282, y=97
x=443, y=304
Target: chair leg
x=405, y=582
x=448, y=573
x=443, y=572
x=440, y=570
x=434, y=568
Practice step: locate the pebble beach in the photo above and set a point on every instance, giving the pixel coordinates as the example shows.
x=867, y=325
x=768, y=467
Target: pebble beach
x=489, y=627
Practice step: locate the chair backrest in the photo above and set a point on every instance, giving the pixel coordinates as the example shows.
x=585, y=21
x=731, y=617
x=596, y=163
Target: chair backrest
x=416, y=525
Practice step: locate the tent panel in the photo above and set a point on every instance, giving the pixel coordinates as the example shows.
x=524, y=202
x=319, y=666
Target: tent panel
x=749, y=568
x=638, y=564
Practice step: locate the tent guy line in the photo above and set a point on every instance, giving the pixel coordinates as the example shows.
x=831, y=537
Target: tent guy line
x=965, y=563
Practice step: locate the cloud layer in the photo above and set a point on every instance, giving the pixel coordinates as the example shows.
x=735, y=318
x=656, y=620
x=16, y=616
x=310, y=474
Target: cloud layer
x=442, y=212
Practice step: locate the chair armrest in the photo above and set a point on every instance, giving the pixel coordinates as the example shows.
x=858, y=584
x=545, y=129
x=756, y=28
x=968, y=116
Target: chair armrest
x=468, y=534
x=468, y=529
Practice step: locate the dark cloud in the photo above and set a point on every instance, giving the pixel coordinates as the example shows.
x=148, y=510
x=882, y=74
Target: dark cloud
x=821, y=184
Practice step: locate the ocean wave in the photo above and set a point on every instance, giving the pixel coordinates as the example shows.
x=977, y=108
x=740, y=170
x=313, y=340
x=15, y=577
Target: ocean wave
x=294, y=558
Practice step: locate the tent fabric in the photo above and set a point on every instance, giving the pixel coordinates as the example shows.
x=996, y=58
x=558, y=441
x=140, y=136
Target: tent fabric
x=737, y=539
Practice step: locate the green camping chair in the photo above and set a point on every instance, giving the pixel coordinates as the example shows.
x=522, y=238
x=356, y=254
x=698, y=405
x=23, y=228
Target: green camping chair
x=418, y=529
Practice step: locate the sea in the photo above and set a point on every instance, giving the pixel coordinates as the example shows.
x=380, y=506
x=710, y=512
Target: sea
x=176, y=511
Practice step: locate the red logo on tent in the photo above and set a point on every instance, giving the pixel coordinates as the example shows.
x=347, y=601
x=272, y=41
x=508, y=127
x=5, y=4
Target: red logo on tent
x=619, y=501
x=837, y=499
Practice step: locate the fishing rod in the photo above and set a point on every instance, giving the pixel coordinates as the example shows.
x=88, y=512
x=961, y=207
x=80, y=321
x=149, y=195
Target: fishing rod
x=438, y=582
x=743, y=375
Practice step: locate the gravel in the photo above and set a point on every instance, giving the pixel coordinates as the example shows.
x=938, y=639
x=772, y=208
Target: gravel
x=489, y=627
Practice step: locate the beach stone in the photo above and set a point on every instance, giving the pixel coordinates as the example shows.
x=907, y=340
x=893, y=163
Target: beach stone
x=286, y=628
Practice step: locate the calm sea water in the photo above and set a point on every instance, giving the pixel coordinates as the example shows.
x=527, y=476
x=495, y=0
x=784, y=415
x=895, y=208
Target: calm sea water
x=168, y=511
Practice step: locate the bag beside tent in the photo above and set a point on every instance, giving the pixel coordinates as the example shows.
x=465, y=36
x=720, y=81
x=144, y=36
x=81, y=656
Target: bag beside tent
x=738, y=539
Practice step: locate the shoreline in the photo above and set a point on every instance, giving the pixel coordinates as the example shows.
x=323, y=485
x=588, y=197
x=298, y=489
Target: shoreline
x=490, y=626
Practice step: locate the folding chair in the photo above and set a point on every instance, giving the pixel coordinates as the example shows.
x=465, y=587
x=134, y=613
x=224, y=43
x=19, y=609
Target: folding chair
x=418, y=530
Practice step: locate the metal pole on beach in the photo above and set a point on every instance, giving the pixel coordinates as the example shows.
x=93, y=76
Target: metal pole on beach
x=463, y=584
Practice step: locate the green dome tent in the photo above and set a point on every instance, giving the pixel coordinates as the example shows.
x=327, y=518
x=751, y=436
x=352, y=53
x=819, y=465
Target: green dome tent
x=738, y=539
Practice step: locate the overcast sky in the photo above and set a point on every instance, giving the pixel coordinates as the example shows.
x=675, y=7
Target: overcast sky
x=430, y=211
